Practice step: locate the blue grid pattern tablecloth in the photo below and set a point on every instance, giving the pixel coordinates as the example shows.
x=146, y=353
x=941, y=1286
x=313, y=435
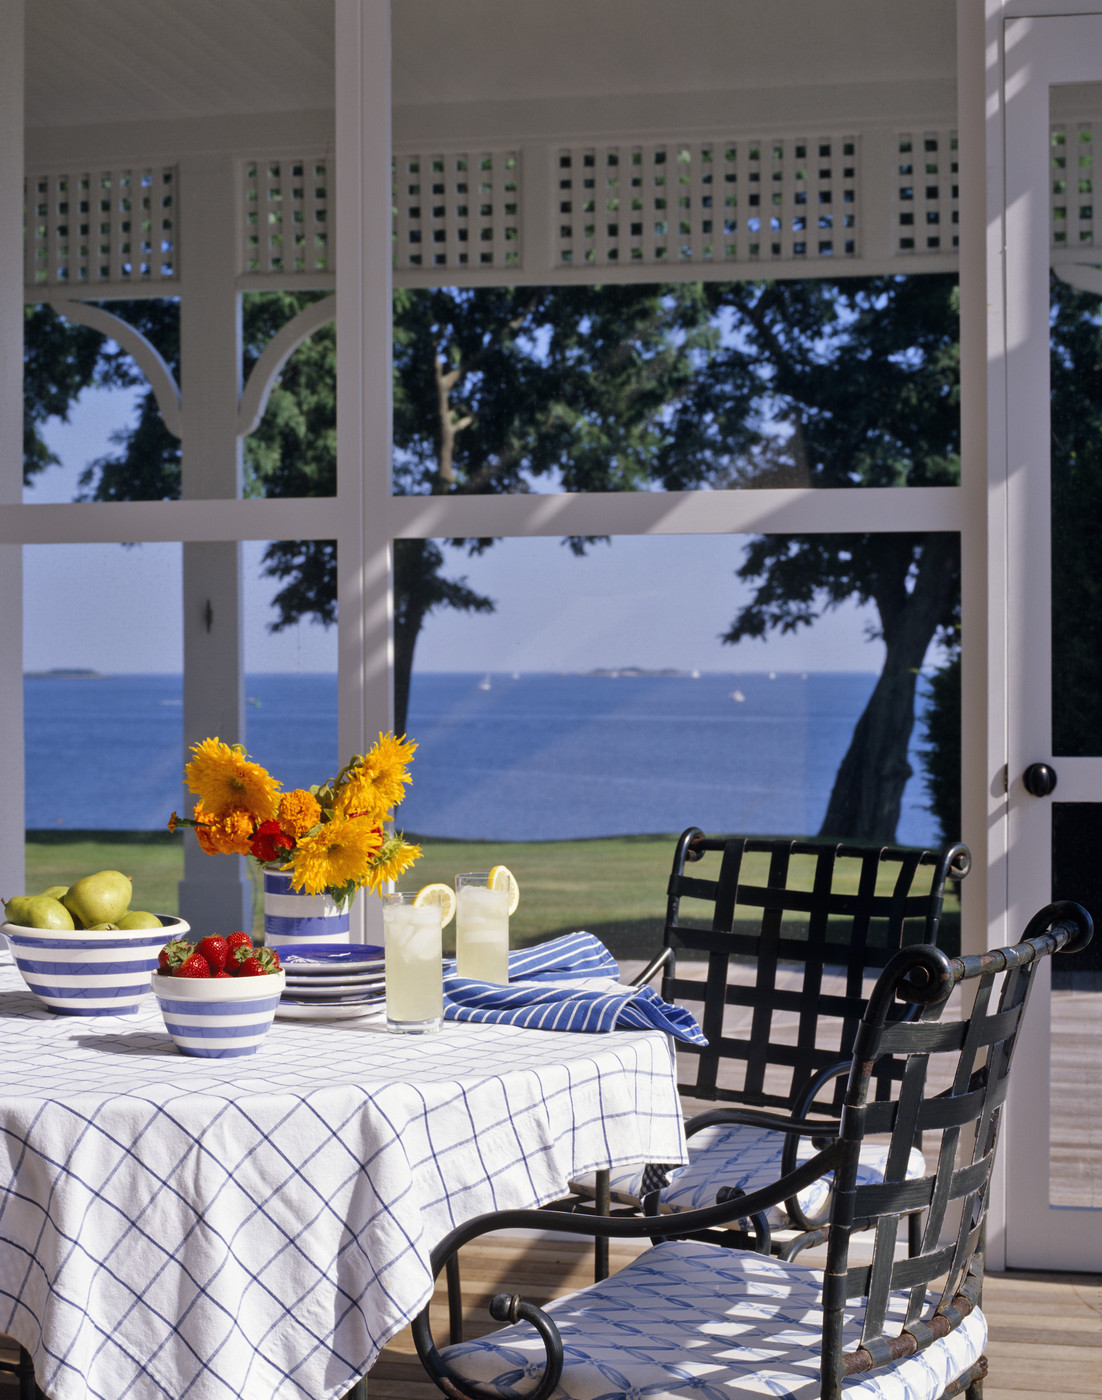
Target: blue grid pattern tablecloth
x=177, y=1227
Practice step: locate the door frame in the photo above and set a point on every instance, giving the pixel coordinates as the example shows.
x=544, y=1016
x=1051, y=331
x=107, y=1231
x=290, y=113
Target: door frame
x=1038, y=51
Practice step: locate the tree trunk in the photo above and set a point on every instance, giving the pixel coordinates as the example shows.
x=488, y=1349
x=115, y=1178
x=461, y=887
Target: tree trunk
x=868, y=789
x=405, y=641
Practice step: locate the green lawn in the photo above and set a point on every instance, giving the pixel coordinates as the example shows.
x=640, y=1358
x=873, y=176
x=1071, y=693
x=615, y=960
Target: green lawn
x=613, y=886
x=153, y=859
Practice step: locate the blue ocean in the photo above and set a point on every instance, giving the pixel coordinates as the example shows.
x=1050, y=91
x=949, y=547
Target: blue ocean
x=529, y=757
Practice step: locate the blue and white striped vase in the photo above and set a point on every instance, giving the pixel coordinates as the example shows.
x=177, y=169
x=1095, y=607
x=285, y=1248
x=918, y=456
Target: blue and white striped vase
x=290, y=917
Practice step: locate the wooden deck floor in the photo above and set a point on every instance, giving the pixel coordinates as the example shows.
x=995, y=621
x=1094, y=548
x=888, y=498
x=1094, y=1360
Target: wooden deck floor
x=1045, y=1329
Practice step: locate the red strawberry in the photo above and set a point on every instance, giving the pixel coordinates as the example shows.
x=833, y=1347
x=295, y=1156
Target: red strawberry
x=235, y=941
x=215, y=949
x=223, y=973
x=196, y=966
x=174, y=954
x=258, y=963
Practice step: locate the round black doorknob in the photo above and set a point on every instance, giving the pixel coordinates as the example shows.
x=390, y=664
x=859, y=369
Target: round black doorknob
x=1039, y=779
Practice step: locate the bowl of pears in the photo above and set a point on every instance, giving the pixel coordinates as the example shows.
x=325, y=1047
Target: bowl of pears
x=84, y=949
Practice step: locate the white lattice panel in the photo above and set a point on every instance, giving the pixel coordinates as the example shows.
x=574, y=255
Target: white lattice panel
x=111, y=226
x=1073, y=223
x=287, y=225
x=926, y=192
x=458, y=210
x=707, y=202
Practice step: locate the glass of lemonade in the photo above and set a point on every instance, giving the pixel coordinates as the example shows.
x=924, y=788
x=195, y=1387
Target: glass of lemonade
x=481, y=929
x=414, y=964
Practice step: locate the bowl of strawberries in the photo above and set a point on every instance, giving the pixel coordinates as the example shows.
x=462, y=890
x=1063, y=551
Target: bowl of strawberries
x=218, y=996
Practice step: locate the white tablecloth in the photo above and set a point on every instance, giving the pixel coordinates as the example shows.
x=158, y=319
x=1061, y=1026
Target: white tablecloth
x=259, y=1227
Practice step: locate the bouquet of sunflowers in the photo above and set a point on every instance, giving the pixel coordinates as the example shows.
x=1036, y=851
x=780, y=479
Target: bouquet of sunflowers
x=335, y=839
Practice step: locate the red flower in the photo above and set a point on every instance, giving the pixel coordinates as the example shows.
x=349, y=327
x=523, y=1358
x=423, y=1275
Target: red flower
x=270, y=841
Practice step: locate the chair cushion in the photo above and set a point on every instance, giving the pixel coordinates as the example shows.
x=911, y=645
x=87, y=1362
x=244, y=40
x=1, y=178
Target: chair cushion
x=734, y=1154
x=689, y=1318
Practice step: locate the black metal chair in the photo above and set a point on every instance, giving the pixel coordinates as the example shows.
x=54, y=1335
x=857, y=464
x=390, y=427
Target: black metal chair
x=689, y=1317
x=791, y=933
x=22, y=1368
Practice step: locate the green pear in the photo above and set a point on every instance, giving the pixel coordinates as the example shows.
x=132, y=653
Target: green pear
x=102, y=898
x=46, y=913
x=103, y=928
x=56, y=891
x=16, y=911
x=139, y=918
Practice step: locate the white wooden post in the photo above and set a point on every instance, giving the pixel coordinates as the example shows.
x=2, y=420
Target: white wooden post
x=363, y=185
x=215, y=893
x=12, y=875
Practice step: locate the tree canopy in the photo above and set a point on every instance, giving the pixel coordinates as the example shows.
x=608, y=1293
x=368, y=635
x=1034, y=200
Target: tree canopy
x=848, y=383
x=625, y=387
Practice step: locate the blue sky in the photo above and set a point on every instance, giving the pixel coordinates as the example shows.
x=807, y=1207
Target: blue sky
x=651, y=602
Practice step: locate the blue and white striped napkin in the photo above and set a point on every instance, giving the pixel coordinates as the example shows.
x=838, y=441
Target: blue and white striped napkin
x=540, y=995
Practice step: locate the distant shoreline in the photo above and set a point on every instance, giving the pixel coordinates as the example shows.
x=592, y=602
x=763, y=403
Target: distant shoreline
x=78, y=673
x=82, y=673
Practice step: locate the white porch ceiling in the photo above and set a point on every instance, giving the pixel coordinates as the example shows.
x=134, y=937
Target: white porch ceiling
x=100, y=62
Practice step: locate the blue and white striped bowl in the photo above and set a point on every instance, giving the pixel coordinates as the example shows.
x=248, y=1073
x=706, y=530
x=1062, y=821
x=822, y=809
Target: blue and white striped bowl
x=217, y=1017
x=81, y=973
x=299, y=918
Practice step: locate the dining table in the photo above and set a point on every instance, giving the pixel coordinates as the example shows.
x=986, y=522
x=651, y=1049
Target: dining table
x=174, y=1226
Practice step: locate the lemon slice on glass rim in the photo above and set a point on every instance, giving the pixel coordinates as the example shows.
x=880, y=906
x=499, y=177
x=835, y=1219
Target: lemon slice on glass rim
x=502, y=878
x=440, y=894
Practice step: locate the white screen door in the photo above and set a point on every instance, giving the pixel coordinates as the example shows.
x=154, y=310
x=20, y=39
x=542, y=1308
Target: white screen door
x=1053, y=107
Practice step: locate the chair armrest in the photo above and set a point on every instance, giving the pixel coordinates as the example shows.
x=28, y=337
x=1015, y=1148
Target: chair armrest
x=652, y=969
x=794, y=1127
x=506, y=1308
x=758, y=1118
x=801, y=1106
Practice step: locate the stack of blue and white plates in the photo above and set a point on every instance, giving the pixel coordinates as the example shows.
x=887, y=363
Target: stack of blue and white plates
x=338, y=982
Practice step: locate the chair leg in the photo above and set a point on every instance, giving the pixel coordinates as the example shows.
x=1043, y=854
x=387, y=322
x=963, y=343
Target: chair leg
x=28, y=1390
x=970, y=1385
x=602, y=1206
x=455, y=1300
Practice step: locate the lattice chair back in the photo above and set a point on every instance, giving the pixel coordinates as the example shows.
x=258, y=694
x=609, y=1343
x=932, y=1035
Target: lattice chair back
x=811, y=922
x=952, y=1091
x=690, y=1316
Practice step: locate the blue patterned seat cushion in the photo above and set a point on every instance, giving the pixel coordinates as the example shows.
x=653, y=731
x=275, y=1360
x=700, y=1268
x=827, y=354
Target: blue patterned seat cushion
x=734, y=1154
x=694, y=1319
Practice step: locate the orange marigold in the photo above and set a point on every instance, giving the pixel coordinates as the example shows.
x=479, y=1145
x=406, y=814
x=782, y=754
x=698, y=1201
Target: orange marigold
x=203, y=822
x=299, y=812
x=231, y=831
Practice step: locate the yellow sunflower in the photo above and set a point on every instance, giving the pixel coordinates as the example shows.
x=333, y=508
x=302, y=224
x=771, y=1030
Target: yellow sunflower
x=223, y=777
x=378, y=782
x=394, y=856
x=299, y=812
x=336, y=854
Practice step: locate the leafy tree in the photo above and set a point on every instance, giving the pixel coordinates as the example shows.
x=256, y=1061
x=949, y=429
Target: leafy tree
x=941, y=756
x=60, y=361
x=493, y=388
x=836, y=384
